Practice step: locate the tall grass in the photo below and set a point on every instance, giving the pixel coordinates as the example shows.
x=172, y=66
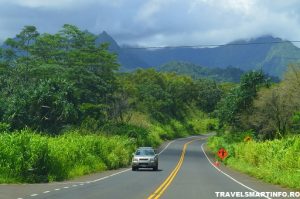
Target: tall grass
x=276, y=161
x=29, y=157
x=26, y=156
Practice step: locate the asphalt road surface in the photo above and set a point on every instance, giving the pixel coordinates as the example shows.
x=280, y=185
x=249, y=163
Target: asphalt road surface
x=185, y=171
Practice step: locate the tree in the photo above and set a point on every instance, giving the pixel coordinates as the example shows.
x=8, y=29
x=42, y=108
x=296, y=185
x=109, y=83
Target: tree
x=208, y=94
x=17, y=50
x=43, y=70
x=276, y=109
x=124, y=99
x=240, y=99
x=162, y=95
x=273, y=112
x=46, y=106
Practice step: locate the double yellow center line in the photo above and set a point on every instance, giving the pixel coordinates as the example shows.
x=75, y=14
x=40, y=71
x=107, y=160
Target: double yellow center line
x=161, y=189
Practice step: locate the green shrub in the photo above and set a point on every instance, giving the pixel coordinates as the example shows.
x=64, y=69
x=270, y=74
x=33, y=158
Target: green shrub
x=204, y=125
x=4, y=127
x=178, y=128
x=156, y=136
x=215, y=143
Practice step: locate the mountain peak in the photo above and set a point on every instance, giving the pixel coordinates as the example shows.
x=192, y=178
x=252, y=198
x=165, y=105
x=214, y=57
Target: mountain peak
x=104, y=37
x=262, y=39
x=267, y=38
x=104, y=33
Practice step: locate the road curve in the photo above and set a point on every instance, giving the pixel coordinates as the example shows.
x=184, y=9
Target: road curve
x=184, y=172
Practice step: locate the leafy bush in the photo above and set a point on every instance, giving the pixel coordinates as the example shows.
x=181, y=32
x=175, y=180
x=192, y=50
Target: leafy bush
x=204, y=125
x=4, y=127
x=178, y=128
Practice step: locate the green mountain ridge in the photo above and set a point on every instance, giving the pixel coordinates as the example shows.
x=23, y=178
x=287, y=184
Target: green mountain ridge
x=267, y=53
x=280, y=55
x=228, y=74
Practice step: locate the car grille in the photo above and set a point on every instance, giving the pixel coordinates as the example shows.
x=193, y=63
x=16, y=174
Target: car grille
x=143, y=164
x=143, y=158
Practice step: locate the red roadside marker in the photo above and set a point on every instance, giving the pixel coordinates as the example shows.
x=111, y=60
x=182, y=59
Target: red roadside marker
x=222, y=153
x=217, y=163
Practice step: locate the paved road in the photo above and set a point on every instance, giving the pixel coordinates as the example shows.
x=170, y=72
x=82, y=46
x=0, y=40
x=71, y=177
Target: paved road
x=184, y=172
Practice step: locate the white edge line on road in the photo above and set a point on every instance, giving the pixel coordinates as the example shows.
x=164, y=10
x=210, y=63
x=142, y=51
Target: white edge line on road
x=32, y=195
x=166, y=147
x=59, y=183
x=228, y=174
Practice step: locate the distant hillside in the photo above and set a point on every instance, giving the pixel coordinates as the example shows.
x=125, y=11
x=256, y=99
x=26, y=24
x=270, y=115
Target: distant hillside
x=272, y=57
x=278, y=57
x=229, y=74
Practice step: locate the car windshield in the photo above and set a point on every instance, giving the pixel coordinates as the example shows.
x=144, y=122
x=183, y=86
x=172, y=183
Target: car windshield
x=146, y=152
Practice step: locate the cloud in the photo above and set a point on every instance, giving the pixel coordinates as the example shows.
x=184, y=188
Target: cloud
x=158, y=22
x=54, y=4
x=216, y=21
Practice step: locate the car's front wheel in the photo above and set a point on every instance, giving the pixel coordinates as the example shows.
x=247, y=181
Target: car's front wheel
x=134, y=168
x=155, y=168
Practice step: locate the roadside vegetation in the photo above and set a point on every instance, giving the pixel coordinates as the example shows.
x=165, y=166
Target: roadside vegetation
x=66, y=110
x=260, y=128
x=28, y=156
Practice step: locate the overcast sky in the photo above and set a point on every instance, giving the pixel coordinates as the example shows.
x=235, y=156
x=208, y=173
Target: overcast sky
x=158, y=22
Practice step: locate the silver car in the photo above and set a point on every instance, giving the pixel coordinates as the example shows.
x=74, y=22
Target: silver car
x=145, y=157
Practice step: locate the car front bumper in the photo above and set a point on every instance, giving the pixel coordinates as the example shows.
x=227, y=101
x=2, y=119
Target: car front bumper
x=144, y=164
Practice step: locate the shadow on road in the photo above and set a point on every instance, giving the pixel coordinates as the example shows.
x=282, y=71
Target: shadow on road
x=148, y=170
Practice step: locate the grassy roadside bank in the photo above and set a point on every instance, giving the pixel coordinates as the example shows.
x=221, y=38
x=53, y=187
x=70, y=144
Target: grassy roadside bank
x=276, y=161
x=28, y=156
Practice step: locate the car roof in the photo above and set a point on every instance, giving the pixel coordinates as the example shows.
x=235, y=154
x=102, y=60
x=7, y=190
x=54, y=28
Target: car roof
x=145, y=148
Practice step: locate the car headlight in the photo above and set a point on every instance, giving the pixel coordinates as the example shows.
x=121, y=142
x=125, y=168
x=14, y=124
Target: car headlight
x=152, y=159
x=135, y=159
